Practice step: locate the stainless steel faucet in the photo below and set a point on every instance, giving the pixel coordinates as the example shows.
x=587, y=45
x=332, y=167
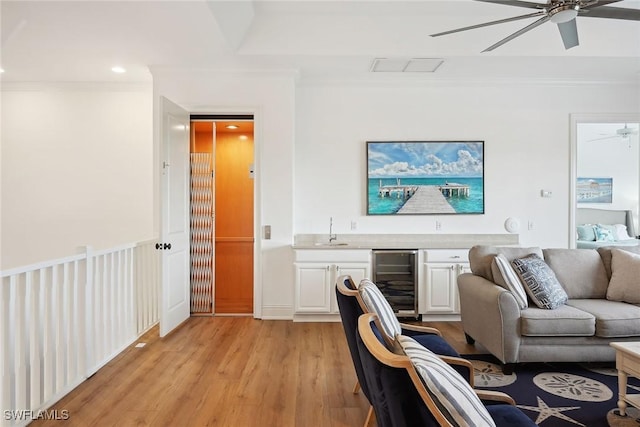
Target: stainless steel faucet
x=332, y=236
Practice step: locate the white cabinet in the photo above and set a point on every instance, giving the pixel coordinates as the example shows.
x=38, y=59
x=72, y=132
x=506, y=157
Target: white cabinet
x=439, y=283
x=316, y=272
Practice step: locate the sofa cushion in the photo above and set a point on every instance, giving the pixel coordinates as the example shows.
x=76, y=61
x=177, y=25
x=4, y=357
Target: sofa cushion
x=505, y=276
x=539, y=281
x=580, y=271
x=613, y=319
x=481, y=257
x=563, y=321
x=605, y=254
x=625, y=277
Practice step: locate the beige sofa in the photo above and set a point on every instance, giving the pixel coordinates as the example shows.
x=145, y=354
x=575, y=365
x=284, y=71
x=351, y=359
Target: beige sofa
x=579, y=330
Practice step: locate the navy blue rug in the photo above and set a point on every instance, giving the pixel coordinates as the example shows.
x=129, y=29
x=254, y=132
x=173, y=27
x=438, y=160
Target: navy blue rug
x=561, y=394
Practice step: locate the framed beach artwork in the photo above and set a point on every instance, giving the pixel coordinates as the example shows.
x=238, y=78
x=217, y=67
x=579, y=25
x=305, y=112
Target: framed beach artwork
x=594, y=190
x=425, y=177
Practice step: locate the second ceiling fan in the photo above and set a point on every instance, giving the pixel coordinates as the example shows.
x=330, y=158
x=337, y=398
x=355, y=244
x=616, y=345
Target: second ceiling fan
x=560, y=12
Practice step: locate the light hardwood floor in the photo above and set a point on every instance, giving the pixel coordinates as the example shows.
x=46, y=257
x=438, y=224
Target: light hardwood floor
x=230, y=371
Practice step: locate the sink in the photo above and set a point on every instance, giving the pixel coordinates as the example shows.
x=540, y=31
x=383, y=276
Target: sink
x=331, y=244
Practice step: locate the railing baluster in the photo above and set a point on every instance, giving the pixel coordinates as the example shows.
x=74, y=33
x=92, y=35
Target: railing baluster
x=33, y=296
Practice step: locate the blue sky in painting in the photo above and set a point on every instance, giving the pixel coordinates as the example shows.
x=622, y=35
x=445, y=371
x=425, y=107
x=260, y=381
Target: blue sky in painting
x=425, y=159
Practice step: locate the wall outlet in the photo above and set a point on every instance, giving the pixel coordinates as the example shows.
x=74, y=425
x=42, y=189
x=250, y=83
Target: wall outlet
x=530, y=225
x=545, y=193
x=354, y=225
x=438, y=225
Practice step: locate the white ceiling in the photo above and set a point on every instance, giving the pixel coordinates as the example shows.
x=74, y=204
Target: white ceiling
x=81, y=40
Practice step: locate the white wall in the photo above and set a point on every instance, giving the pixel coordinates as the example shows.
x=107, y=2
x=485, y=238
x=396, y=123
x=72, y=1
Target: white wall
x=76, y=169
x=525, y=128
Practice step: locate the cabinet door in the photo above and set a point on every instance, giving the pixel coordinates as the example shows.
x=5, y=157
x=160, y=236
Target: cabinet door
x=441, y=288
x=313, y=288
x=357, y=271
x=462, y=268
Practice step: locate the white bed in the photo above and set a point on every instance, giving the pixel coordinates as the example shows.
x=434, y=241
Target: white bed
x=586, y=217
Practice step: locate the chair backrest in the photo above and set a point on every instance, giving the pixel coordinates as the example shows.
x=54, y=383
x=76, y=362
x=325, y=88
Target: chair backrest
x=386, y=320
x=350, y=308
x=417, y=388
x=395, y=399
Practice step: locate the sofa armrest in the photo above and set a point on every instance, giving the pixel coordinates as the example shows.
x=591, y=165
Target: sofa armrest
x=490, y=315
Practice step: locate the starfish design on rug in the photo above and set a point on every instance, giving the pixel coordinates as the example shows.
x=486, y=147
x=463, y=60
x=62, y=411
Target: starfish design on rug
x=545, y=411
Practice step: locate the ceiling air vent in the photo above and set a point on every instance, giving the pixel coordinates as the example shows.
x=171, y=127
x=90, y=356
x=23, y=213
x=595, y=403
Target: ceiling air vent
x=405, y=65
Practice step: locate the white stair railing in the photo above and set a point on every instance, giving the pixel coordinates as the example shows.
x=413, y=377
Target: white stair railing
x=62, y=320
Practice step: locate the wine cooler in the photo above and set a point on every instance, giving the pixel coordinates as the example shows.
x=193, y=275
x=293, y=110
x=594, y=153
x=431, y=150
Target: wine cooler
x=394, y=272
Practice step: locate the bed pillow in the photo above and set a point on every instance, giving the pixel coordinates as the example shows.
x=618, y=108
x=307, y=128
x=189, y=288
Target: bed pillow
x=625, y=270
x=540, y=282
x=586, y=233
x=620, y=232
x=603, y=233
x=506, y=277
x=460, y=405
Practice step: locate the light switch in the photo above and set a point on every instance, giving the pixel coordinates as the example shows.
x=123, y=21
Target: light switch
x=267, y=232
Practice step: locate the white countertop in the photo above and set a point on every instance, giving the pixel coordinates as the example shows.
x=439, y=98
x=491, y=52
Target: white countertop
x=403, y=241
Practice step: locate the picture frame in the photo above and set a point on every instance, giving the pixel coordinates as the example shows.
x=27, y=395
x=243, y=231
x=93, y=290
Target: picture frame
x=425, y=177
x=594, y=190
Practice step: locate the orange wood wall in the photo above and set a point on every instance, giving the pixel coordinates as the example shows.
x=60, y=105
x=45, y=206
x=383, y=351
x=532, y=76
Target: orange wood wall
x=234, y=223
x=233, y=215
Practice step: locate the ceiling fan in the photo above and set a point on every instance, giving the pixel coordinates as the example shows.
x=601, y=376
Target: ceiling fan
x=624, y=133
x=560, y=12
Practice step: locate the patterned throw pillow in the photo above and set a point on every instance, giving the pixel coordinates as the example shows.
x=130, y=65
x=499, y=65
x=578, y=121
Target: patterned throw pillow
x=510, y=280
x=540, y=282
x=378, y=304
x=603, y=233
x=448, y=389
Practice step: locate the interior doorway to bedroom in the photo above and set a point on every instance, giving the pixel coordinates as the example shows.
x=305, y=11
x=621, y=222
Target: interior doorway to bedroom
x=222, y=214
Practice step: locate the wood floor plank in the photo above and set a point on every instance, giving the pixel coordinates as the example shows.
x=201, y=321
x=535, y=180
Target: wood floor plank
x=230, y=371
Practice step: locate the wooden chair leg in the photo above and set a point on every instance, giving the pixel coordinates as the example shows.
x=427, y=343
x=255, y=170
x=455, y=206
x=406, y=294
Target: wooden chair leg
x=356, y=388
x=370, y=417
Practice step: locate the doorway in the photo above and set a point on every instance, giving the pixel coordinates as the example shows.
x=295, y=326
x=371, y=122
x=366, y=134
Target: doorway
x=222, y=248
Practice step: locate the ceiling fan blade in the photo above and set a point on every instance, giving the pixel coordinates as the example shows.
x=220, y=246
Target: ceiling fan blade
x=518, y=33
x=611, y=13
x=486, y=24
x=519, y=3
x=569, y=33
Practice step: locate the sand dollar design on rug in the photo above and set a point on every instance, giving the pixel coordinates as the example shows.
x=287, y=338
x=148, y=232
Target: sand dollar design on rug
x=573, y=387
x=488, y=374
x=631, y=420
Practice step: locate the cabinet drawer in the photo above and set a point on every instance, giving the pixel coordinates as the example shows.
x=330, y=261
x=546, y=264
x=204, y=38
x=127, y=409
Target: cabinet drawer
x=446, y=255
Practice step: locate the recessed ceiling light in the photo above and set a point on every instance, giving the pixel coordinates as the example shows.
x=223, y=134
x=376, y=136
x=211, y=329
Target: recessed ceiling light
x=118, y=69
x=243, y=137
x=1, y=70
x=232, y=126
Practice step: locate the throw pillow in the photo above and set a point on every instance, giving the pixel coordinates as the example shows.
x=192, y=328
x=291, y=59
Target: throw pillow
x=540, y=282
x=586, y=233
x=448, y=389
x=509, y=280
x=376, y=303
x=603, y=233
x=625, y=270
x=620, y=232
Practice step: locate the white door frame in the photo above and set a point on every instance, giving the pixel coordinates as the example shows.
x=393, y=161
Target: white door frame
x=257, y=194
